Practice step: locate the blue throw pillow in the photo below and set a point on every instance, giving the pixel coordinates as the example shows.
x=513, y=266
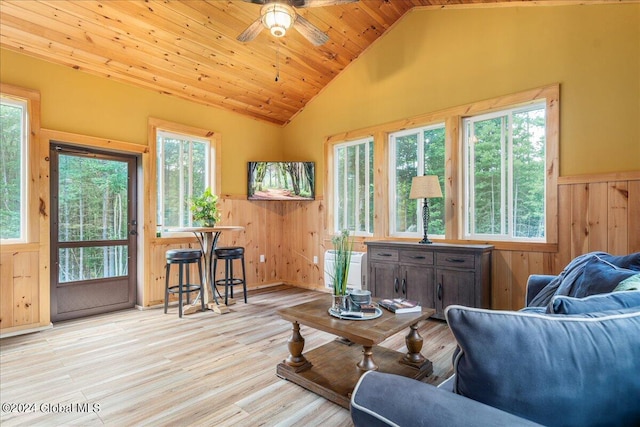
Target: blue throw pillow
x=602, y=302
x=569, y=370
x=599, y=277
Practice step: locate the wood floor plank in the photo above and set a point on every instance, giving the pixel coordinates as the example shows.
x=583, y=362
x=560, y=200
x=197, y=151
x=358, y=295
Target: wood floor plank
x=148, y=368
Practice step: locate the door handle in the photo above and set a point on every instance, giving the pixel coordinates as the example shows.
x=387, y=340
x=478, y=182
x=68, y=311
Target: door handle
x=133, y=232
x=439, y=291
x=395, y=285
x=404, y=286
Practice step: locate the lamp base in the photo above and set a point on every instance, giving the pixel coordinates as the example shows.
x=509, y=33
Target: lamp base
x=425, y=241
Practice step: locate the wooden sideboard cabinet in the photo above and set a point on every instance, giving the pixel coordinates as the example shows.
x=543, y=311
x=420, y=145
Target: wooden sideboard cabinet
x=436, y=275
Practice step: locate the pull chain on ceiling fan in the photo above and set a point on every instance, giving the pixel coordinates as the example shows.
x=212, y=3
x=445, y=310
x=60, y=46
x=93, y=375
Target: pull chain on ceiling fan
x=279, y=16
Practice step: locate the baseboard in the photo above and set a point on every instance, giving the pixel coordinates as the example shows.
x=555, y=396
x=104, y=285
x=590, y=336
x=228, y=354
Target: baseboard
x=25, y=331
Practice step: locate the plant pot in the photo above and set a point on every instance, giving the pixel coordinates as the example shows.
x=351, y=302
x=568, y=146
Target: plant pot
x=340, y=303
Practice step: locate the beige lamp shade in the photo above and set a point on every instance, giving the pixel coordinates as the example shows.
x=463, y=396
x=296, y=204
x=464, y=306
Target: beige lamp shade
x=424, y=187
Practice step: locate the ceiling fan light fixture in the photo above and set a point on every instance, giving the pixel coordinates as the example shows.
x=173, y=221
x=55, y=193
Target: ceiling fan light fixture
x=278, y=18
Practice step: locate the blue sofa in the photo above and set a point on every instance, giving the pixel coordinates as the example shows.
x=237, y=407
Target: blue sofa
x=571, y=357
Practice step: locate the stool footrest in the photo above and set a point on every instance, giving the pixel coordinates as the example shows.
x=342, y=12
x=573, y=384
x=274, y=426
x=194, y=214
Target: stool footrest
x=185, y=289
x=231, y=282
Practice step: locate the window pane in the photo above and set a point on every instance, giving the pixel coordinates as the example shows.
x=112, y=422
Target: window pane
x=528, y=173
x=406, y=154
x=12, y=125
x=351, y=187
x=434, y=165
x=88, y=186
x=353, y=175
x=340, y=187
x=506, y=173
x=92, y=263
x=487, y=179
x=416, y=152
x=182, y=173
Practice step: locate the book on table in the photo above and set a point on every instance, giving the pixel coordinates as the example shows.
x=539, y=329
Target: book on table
x=400, y=305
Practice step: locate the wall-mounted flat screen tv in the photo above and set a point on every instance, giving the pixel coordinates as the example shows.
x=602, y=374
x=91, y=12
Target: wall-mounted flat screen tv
x=281, y=181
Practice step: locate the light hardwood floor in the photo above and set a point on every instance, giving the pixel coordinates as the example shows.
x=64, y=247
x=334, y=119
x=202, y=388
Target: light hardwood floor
x=147, y=368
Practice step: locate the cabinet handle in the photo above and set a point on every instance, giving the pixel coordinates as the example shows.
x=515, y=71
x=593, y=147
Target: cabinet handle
x=454, y=259
x=404, y=286
x=384, y=254
x=418, y=257
x=439, y=291
x=395, y=285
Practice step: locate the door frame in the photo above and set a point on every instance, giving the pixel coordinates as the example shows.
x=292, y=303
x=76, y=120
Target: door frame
x=83, y=141
x=57, y=149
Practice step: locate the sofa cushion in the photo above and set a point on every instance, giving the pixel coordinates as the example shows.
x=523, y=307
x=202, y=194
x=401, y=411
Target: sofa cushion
x=610, y=301
x=580, y=370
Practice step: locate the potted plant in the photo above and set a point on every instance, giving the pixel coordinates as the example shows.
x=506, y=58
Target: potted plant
x=205, y=208
x=342, y=248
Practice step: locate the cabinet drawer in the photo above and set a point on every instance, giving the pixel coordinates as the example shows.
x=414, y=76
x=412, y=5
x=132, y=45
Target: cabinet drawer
x=416, y=257
x=383, y=254
x=455, y=260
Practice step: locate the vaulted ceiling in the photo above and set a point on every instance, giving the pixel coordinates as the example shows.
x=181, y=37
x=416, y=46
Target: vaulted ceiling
x=188, y=48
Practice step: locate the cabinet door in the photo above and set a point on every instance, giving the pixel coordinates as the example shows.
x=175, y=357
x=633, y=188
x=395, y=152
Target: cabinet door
x=454, y=287
x=383, y=279
x=417, y=284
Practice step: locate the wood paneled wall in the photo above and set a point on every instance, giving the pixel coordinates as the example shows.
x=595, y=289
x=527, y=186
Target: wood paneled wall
x=595, y=213
x=19, y=290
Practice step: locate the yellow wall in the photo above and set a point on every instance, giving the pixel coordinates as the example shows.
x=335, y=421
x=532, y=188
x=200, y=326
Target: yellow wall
x=80, y=103
x=439, y=58
x=433, y=59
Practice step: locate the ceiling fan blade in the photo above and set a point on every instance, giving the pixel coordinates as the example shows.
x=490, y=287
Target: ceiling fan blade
x=310, y=31
x=251, y=32
x=318, y=3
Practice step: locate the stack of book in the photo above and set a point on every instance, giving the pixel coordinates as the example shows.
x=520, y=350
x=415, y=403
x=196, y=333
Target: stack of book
x=400, y=305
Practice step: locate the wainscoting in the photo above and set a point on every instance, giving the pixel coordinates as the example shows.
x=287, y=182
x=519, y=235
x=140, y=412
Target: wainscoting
x=595, y=213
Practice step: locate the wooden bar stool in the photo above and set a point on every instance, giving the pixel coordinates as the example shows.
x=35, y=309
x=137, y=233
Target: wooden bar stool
x=183, y=257
x=228, y=254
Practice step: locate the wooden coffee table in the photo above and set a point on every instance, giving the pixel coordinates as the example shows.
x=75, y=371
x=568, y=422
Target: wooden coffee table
x=332, y=370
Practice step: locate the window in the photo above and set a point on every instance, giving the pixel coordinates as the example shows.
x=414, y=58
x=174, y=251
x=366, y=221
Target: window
x=353, y=186
x=502, y=188
x=504, y=169
x=184, y=169
x=412, y=153
x=13, y=167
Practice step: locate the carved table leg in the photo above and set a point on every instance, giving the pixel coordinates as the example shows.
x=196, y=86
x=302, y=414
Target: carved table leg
x=296, y=360
x=414, y=345
x=367, y=363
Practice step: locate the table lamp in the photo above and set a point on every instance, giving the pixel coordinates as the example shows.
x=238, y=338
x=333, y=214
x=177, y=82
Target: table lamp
x=424, y=187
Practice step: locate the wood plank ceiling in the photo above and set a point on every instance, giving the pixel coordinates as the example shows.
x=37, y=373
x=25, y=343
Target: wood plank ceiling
x=188, y=48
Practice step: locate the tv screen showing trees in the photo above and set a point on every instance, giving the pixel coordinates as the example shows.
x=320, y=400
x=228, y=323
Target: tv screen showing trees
x=281, y=181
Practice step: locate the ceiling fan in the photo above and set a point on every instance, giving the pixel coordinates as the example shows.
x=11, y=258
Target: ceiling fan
x=279, y=15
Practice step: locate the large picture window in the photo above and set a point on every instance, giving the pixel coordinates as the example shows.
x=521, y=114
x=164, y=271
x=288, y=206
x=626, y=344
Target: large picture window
x=353, y=184
x=183, y=170
x=504, y=167
x=415, y=152
x=14, y=125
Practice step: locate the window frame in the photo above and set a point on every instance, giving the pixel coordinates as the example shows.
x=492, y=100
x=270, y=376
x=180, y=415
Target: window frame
x=369, y=143
x=419, y=131
x=30, y=148
x=507, y=173
x=214, y=164
x=453, y=188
